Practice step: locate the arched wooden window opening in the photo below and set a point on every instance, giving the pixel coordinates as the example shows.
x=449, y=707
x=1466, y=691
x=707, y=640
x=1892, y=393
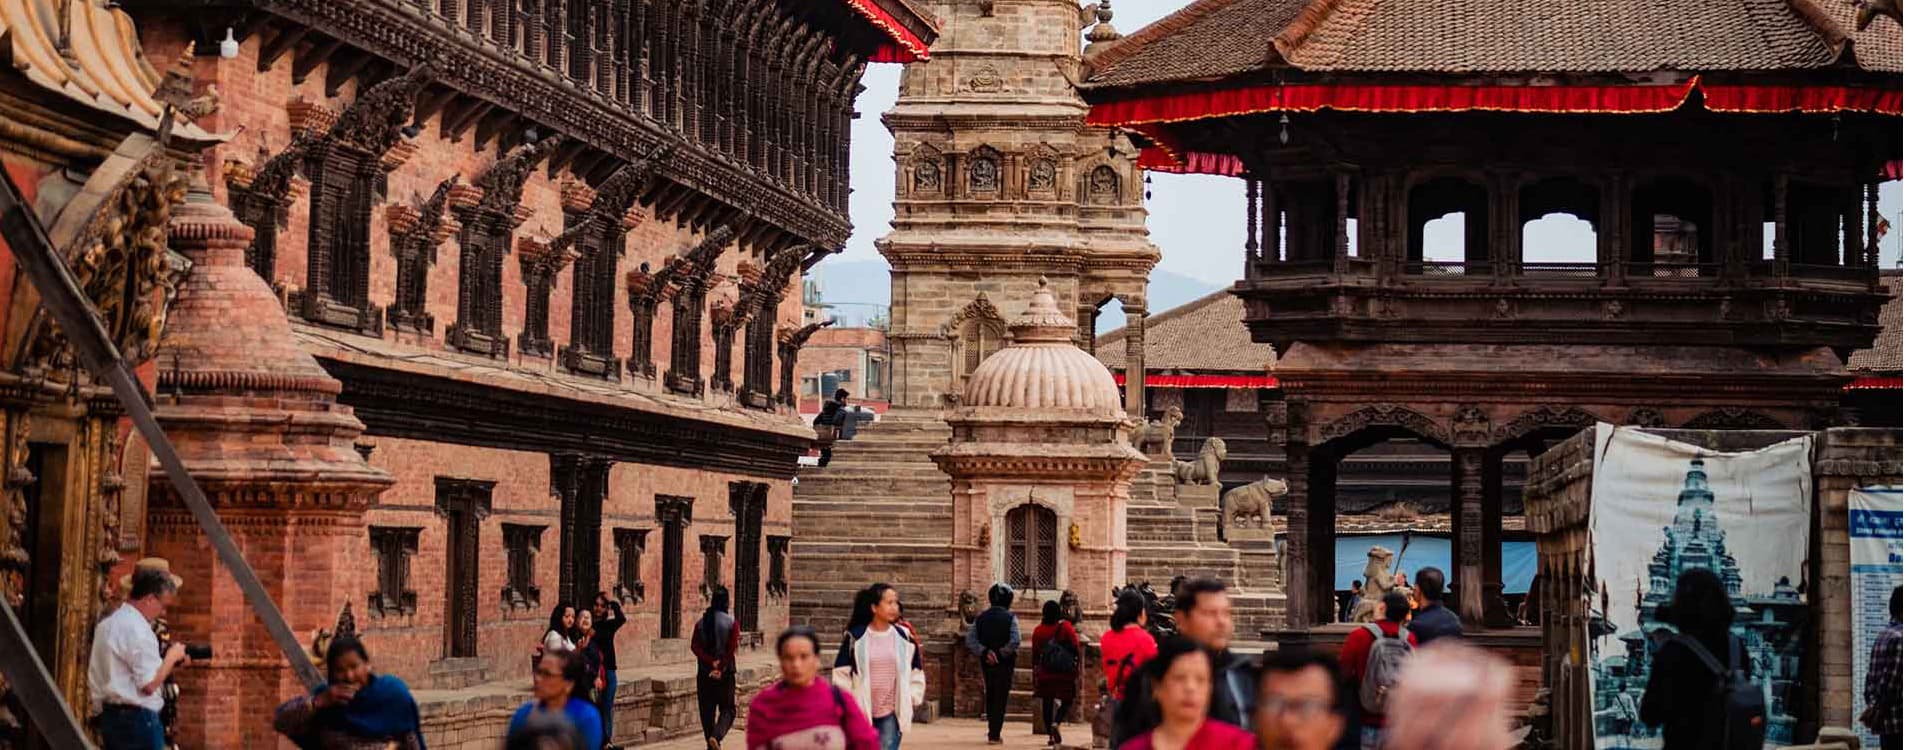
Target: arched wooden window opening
x=1032, y=534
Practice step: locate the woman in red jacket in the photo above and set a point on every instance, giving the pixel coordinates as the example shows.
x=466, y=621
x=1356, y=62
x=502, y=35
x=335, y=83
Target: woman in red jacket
x=1056, y=667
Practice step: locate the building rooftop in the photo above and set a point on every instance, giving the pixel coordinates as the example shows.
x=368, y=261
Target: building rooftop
x=1212, y=39
x=1884, y=357
x=1205, y=335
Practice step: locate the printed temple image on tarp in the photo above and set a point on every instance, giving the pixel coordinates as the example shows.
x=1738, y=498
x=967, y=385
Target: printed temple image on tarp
x=1661, y=508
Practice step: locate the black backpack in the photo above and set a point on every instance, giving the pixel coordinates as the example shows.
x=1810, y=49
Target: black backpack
x=1741, y=704
x=1058, y=657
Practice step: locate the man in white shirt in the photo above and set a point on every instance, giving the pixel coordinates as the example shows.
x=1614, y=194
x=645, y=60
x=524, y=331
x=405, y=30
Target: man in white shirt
x=126, y=670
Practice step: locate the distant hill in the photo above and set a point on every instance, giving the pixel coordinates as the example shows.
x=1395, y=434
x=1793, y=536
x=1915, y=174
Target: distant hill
x=860, y=290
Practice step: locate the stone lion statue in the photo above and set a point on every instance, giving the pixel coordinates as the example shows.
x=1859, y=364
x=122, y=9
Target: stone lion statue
x=1155, y=438
x=1070, y=607
x=1374, y=583
x=1205, y=467
x=1252, y=503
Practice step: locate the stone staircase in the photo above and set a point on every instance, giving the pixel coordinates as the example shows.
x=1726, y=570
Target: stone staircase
x=880, y=511
x=1174, y=531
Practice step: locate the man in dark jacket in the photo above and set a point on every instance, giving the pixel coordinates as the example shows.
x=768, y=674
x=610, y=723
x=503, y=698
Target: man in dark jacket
x=1203, y=612
x=994, y=638
x=1433, y=621
x=607, y=611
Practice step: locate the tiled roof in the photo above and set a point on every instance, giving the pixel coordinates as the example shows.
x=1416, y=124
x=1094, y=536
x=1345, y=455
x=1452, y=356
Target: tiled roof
x=1885, y=354
x=1216, y=38
x=1206, y=335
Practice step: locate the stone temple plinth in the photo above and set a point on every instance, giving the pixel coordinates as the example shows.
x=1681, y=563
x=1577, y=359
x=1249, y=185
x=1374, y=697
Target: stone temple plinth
x=1040, y=469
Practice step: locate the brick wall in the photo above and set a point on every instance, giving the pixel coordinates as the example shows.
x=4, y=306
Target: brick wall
x=1845, y=458
x=408, y=645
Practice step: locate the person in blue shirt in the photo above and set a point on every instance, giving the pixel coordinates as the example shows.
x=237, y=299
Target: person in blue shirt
x=553, y=681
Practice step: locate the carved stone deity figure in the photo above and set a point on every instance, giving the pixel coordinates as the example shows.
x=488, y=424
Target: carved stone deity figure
x=1155, y=438
x=1376, y=581
x=1205, y=467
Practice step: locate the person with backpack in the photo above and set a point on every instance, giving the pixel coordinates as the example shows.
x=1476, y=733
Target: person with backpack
x=802, y=710
x=994, y=639
x=827, y=424
x=1124, y=649
x=716, y=641
x=879, y=663
x=1698, y=692
x=1056, y=668
x=1371, y=659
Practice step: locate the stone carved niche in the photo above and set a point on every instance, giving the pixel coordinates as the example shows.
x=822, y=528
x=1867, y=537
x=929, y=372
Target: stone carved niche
x=1043, y=171
x=1103, y=186
x=977, y=331
x=924, y=171
x=986, y=80
x=983, y=170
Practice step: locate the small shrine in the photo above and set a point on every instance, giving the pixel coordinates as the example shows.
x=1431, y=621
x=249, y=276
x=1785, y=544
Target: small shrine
x=1041, y=467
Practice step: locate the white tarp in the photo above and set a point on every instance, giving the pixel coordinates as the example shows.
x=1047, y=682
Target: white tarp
x=1662, y=507
x=1874, y=532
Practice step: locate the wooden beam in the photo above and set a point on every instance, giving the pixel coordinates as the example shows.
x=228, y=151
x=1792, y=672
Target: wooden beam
x=305, y=62
x=496, y=125
x=563, y=156
x=458, y=118
x=431, y=104
x=339, y=73
x=280, y=45
x=586, y=161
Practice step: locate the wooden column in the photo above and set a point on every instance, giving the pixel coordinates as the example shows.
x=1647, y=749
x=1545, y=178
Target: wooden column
x=1852, y=254
x=1614, y=225
x=1492, y=570
x=1469, y=535
x=1873, y=231
x=1781, y=250
x=1342, y=184
x=1253, y=225
x=1299, y=520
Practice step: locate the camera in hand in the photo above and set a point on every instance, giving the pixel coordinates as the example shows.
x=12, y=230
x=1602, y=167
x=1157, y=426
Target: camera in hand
x=200, y=651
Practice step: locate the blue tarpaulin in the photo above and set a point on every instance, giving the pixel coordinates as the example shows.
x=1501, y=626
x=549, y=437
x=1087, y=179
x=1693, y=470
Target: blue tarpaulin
x=1518, y=559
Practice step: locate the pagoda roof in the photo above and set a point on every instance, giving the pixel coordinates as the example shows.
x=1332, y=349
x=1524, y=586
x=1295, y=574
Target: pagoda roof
x=1211, y=40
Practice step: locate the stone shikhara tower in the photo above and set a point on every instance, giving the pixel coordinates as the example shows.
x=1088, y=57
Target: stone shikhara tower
x=998, y=181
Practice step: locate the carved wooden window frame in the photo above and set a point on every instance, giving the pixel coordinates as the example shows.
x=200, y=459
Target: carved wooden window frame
x=628, y=585
x=713, y=556
x=1032, y=548
x=394, y=548
x=522, y=545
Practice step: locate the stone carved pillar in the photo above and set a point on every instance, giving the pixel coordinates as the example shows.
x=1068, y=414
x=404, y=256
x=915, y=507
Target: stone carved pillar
x=1136, y=360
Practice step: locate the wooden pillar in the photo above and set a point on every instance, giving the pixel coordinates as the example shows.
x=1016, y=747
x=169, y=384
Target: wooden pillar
x=1136, y=394
x=1272, y=233
x=1342, y=185
x=1323, y=473
x=1469, y=535
x=1614, y=225
x=1851, y=255
x=1492, y=581
x=1873, y=230
x=1299, y=517
x=1503, y=226
x=1781, y=251
x=1253, y=225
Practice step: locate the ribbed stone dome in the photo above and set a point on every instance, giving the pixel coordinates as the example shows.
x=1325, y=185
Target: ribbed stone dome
x=1042, y=369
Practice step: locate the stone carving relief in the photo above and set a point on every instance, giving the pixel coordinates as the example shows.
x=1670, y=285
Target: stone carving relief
x=1103, y=186
x=1546, y=416
x=1042, y=175
x=1733, y=419
x=926, y=176
x=1470, y=426
x=983, y=170
x=1384, y=415
x=986, y=80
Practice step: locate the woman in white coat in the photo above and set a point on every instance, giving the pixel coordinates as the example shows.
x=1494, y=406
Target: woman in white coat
x=879, y=663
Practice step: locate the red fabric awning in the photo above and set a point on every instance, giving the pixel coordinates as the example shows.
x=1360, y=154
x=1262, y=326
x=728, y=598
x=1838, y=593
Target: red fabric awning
x=1858, y=384
x=906, y=47
x=1143, y=114
x=1202, y=381
x=1892, y=170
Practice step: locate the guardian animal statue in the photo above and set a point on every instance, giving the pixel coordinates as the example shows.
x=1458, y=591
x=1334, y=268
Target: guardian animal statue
x=1252, y=504
x=1070, y=607
x=1375, y=583
x=1155, y=438
x=1205, y=467
x=969, y=606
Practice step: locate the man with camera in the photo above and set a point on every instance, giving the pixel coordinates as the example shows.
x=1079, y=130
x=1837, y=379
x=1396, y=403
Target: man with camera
x=127, y=669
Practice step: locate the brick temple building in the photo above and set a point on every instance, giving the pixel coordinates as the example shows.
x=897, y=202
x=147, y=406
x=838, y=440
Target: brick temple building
x=1353, y=125
x=491, y=309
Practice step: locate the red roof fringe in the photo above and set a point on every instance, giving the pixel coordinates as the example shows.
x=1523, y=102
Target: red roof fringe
x=1858, y=384
x=1148, y=115
x=906, y=47
x=1202, y=381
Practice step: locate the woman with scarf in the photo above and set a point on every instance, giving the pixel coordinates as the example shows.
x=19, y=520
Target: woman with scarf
x=355, y=710
x=802, y=710
x=716, y=639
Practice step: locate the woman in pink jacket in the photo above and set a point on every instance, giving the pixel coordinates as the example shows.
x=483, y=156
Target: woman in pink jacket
x=802, y=711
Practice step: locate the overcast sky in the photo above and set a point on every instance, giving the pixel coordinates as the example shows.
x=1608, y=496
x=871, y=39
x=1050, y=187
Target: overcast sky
x=1197, y=220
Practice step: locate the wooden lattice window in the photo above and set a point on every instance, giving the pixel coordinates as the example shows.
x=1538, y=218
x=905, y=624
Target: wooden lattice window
x=632, y=544
x=523, y=544
x=978, y=338
x=713, y=550
x=393, y=551
x=1031, y=548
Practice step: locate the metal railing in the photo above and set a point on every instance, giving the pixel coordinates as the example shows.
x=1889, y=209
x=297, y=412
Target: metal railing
x=1674, y=270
